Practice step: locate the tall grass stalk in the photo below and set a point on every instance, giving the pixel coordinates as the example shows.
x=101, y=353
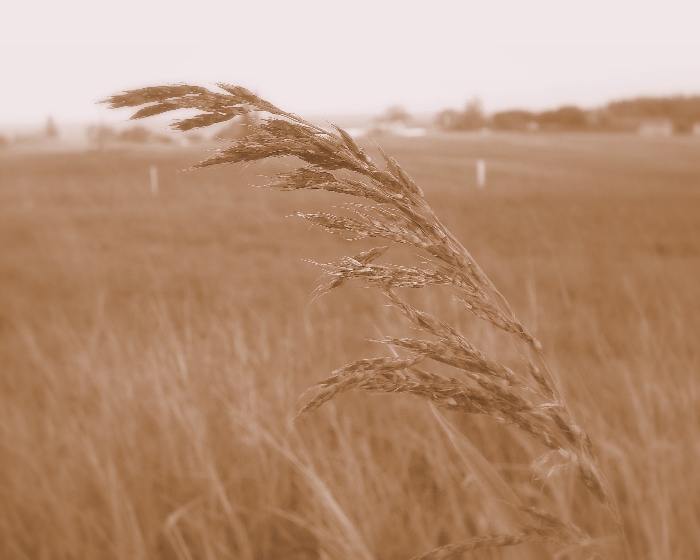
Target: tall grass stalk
x=442, y=365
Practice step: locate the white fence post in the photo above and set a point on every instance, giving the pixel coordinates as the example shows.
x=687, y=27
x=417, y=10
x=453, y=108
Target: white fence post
x=480, y=173
x=154, y=180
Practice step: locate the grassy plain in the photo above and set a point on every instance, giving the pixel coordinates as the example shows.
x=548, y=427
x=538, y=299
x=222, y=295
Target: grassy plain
x=153, y=350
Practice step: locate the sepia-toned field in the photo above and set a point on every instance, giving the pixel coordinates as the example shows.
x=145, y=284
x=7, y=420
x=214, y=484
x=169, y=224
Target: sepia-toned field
x=154, y=351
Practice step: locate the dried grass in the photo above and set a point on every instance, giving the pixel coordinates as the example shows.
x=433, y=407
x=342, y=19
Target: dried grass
x=527, y=397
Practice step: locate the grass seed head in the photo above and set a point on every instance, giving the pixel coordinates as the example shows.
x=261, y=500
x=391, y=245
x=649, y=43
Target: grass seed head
x=527, y=398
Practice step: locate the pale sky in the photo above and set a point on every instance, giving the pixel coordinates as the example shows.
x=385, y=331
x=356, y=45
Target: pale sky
x=332, y=58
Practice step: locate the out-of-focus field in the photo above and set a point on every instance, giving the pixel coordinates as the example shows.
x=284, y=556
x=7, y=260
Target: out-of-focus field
x=153, y=350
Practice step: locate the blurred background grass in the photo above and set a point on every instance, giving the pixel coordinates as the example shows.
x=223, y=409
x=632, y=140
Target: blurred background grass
x=153, y=351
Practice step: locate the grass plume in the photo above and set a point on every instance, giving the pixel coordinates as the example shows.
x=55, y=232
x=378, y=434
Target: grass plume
x=527, y=397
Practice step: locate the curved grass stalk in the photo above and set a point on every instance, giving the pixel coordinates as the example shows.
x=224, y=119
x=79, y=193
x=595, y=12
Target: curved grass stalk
x=397, y=212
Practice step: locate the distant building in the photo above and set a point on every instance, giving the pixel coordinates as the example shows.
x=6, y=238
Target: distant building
x=656, y=127
x=397, y=129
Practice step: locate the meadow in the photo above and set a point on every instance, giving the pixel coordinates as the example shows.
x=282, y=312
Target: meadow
x=154, y=350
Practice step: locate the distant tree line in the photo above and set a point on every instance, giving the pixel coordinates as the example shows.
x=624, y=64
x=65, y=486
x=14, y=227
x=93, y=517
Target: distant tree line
x=683, y=113
x=102, y=134
x=50, y=132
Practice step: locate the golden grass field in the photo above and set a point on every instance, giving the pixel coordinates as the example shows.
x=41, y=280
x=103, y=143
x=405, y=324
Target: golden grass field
x=154, y=350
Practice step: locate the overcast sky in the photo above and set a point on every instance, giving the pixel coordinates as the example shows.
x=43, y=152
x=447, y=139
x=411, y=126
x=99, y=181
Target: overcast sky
x=331, y=58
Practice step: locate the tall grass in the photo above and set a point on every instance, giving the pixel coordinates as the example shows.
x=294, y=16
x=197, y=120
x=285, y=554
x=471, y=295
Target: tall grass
x=153, y=352
x=527, y=397
x=170, y=438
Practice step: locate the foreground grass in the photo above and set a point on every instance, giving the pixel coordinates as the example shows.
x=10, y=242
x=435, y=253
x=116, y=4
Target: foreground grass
x=156, y=350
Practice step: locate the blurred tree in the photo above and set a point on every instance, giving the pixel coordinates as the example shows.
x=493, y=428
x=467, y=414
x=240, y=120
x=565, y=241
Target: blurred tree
x=100, y=134
x=473, y=115
x=447, y=119
x=396, y=114
x=137, y=134
x=513, y=120
x=564, y=118
x=471, y=118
